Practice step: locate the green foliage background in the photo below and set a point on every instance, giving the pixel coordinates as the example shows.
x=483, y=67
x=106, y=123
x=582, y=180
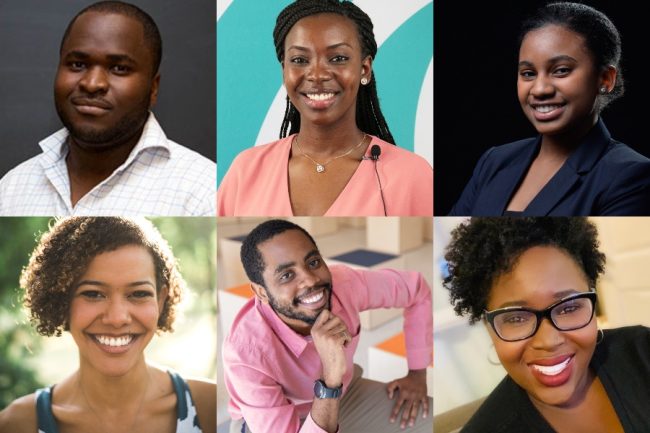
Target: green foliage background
x=193, y=241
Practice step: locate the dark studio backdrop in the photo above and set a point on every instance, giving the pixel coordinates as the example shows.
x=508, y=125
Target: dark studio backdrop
x=475, y=88
x=30, y=35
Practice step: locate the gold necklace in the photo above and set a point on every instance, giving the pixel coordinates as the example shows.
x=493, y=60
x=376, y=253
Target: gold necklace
x=321, y=167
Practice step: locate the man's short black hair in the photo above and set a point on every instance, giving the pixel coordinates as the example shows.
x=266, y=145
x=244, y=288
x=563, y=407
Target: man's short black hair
x=483, y=249
x=251, y=257
x=149, y=27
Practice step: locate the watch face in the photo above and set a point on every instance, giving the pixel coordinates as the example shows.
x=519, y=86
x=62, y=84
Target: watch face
x=322, y=391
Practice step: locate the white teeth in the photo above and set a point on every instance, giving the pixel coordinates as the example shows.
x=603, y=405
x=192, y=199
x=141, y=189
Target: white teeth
x=312, y=299
x=319, y=96
x=552, y=370
x=546, y=108
x=114, y=342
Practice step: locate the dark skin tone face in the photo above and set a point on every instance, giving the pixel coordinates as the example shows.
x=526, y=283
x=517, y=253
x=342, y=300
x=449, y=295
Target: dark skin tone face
x=322, y=71
x=298, y=282
x=104, y=87
x=558, y=85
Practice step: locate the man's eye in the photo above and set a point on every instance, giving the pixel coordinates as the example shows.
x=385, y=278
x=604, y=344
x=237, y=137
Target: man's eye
x=121, y=69
x=286, y=276
x=315, y=263
x=77, y=65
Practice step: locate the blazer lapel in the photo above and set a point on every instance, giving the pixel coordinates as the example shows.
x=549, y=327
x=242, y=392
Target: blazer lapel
x=583, y=159
x=502, y=186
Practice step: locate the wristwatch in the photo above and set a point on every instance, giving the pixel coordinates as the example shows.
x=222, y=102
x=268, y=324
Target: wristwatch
x=322, y=391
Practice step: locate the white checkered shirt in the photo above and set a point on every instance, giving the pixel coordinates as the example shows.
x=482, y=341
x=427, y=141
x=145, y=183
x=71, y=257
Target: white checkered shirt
x=159, y=177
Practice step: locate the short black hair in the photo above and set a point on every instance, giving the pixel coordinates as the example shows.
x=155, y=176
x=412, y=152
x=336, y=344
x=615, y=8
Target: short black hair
x=250, y=255
x=483, y=249
x=601, y=37
x=369, y=117
x=149, y=27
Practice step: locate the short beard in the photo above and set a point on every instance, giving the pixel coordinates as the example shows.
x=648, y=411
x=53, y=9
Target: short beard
x=127, y=127
x=289, y=311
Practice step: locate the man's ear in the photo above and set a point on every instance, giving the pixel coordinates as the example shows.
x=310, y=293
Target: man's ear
x=260, y=292
x=153, y=95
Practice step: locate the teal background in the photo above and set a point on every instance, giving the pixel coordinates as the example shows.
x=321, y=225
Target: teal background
x=249, y=75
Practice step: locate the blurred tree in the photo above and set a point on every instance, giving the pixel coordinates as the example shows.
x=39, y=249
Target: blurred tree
x=193, y=241
x=18, y=340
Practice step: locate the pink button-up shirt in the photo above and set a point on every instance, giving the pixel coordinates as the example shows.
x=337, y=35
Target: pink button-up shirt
x=270, y=369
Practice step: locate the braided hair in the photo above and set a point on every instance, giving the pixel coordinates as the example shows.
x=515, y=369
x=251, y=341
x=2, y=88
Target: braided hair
x=368, y=114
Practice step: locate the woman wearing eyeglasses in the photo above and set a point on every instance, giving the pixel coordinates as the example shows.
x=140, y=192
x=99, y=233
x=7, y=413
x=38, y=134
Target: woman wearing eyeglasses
x=531, y=281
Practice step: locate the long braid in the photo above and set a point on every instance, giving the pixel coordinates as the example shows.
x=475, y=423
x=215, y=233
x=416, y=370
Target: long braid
x=368, y=113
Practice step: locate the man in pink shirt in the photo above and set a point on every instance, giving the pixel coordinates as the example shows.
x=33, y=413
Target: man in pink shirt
x=288, y=359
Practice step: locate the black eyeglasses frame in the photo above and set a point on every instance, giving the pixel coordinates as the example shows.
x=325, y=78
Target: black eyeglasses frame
x=541, y=314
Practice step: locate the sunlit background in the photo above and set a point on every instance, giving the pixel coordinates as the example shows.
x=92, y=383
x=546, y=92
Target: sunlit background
x=29, y=361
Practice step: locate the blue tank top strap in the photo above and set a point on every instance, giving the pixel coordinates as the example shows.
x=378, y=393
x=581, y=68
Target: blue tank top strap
x=44, y=416
x=188, y=420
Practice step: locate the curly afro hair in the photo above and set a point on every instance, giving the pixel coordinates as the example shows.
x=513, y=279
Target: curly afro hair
x=64, y=253
x=483, y=249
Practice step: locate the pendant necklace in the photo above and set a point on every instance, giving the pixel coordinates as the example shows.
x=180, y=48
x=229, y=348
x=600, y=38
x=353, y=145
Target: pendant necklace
x=321, y=167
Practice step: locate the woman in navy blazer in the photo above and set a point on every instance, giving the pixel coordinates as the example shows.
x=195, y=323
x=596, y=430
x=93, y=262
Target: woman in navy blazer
x=568, y=72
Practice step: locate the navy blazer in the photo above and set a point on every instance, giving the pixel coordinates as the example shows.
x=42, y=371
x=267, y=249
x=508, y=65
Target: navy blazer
x=601, y=177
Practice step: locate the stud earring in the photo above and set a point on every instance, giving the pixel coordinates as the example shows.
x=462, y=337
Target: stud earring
x=364, y=81
x=603, y=90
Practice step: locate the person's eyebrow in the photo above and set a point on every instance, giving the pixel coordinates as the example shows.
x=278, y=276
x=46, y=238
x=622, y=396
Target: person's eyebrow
x=329, y=47
x=282, y=266
x=551, y=61
x=103, y=284
x=340, y=44
x=297, y=47
x=117, y=58
x=522, y=303
x=114, y=58
x=310, y=254
x=76, y=55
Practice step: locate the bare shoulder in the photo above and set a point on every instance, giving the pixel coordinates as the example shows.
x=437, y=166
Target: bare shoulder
x=19, y=416
x=204, y=394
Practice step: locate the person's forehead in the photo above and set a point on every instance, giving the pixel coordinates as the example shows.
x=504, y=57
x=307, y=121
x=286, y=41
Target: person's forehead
x=286, y=246
x=323, y=25
x=107, y=31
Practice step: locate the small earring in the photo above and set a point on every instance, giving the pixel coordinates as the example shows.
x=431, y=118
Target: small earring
x=603, y=90
x=364, y=81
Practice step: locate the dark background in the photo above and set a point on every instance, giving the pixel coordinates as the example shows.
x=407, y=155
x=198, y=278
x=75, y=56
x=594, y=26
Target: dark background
x=30, y=34
x=475, y=88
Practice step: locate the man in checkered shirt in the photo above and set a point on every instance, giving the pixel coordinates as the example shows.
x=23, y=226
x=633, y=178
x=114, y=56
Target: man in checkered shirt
x=112, y=157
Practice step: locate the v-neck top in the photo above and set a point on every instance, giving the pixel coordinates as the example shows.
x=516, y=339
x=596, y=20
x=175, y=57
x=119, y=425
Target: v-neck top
x=186, y=417
x=257, y=184
x=601, y=177
x=622, y=363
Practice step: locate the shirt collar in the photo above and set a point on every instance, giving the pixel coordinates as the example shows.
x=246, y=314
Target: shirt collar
x=55, y=147
x=295, y=342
